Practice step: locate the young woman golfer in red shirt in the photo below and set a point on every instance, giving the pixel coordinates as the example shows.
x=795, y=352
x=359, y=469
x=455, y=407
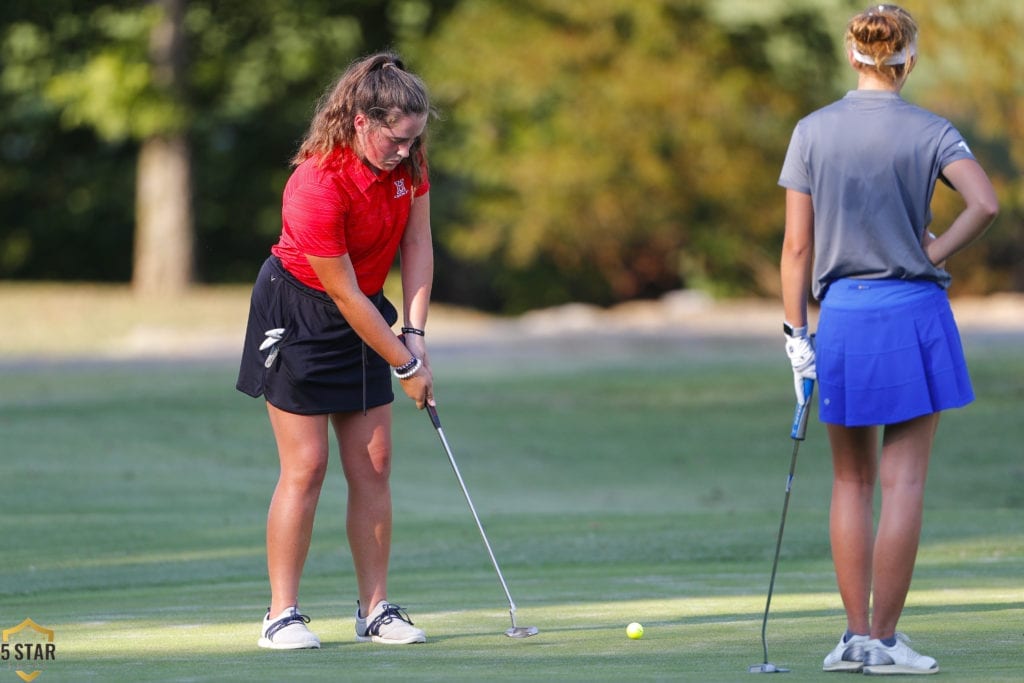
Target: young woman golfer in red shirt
x=319, y=344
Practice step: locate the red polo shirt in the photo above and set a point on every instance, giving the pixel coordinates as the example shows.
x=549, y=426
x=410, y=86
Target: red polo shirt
x=343, y=207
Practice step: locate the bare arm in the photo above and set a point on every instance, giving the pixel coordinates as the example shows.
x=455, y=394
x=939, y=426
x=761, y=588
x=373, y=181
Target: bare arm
x=970, y=180
x=797, y=255
x=417, y=272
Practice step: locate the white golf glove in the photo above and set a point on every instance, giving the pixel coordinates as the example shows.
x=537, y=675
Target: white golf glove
x=274, y=338
x=800, y=349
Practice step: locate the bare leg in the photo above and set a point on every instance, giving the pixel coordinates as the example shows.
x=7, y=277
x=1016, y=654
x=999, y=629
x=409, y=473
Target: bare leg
x=303, y=449
x=365, y=442
x=851, y=529
x=906, y=448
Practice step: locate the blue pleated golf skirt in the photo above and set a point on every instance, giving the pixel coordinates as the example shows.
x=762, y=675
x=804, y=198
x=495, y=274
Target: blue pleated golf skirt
x=888, y=351
x=322, y=365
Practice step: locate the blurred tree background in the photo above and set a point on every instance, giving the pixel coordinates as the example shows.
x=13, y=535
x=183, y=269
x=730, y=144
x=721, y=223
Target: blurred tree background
x=594, y=151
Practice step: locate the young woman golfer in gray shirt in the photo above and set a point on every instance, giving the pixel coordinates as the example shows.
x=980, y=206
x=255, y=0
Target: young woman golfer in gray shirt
x=859, y=177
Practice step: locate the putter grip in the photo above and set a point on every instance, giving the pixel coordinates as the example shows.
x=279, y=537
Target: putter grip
x=432, y=412
x=799, y=429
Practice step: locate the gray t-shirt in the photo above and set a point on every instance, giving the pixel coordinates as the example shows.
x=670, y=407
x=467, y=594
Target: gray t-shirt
x=870, y=162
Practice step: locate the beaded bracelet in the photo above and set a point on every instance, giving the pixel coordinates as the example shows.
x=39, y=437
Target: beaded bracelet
x=413, y=330
x=408, y=370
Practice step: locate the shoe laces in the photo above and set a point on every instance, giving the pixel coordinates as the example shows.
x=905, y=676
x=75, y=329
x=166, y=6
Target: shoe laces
x=389, y=614
x=281, y=623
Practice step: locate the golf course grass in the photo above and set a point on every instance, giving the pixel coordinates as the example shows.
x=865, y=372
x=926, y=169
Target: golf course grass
x=619, y=480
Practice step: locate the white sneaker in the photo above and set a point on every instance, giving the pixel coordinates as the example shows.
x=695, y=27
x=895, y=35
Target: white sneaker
x=848, y=655
x=898, y=659
x=287, y=632
x=387, y=624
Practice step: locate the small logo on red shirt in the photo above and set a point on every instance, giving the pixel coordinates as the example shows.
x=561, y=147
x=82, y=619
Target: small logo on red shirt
x=400, y=189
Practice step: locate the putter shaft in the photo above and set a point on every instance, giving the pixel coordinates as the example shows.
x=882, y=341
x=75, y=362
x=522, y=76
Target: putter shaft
x=797, y=433
x=778, y=548
x=479, y=525
x=515, y=631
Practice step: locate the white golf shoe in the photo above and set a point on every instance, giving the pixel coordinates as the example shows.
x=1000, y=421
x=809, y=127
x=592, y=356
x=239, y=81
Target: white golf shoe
x=880, y=660
x=388, y=624
x=287, y=632
x=847, y=656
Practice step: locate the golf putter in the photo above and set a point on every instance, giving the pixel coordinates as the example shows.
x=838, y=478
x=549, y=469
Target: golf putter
x=515, y=631
x=797, y=433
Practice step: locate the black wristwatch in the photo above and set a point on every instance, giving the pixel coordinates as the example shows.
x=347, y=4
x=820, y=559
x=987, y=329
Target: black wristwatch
x=789, y=329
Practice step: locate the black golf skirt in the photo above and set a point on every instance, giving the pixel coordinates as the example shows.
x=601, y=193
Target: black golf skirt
x=321, y=365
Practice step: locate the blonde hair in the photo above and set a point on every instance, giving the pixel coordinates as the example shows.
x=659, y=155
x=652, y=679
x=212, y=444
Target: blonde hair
x=883, y=38
x=381, y=89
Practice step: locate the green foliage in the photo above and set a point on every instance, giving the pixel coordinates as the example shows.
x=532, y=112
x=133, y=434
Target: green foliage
x=593, y=151
x=612, y=149
x=78, y=94
x=111, y=88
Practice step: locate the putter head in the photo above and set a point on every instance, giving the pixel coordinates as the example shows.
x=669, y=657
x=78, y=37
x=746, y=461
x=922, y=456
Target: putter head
x=522, y=631
x=766, y=668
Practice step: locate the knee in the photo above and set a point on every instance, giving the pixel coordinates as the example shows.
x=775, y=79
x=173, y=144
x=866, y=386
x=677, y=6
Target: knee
x=373, y=469
x=306, y=473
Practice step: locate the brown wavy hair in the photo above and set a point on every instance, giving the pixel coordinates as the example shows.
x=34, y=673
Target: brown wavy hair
x=881, y=32
x=379, y=87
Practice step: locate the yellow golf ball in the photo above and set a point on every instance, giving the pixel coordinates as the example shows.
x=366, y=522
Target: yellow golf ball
x=635, y=631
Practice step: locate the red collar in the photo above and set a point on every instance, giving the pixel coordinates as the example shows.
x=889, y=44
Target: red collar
x=356, y=169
